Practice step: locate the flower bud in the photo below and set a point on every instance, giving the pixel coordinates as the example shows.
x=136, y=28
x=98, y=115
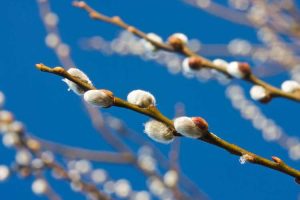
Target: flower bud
x=2, y=99
x=171, y=178
x=102, y=98
x=6, y=117
x=290, y=86
x=4, y=172
x=39, y=186
x=238, y=70
x=23, y=157
x=259, y=93
x=17, y=127
x=159, y=132
x=148, y=45
x=98, y=176
x=277, y=160
x=10, y=139
x=220, y=62
x=184, y=39
x=33, y=144
x=145, y=195
x=192, y=63
x=122, y=188
x=193, y=127
x=47, y=157
x=141, y=98
x=80, y=75
x=178, y=40
x=37, y=163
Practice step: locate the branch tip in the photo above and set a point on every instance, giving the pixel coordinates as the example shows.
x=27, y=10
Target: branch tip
x=40, y=66
x=79, y=4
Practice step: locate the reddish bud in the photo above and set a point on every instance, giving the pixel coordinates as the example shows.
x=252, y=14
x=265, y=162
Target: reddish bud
x=266, y=99
x=245, y=68
x=200, y=123
x=195, y=63
x=176, y=42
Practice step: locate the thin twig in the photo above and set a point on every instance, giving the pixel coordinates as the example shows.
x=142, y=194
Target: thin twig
x=81, y=153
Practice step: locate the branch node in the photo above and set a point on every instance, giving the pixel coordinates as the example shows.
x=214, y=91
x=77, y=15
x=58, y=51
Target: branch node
x=131, y=29
x=277, y=160
x=116, y=19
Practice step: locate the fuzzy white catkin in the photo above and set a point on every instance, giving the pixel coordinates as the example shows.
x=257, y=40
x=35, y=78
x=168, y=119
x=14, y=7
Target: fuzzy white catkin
x=142, y=195
x=187, y=127
x=147, y=162
x=258, y=92
x=147, y=45
x=76, y=186
x=141, y=98
x=234, y=70
x=39, y=186
x=122, y=188
x=2, y=99
x=290, y=86
x=102, y=98
x=74, y=175
x=220, y=62
x=156, y=186
x=37, y=163
x=98, y=176
x=16, y=127
x=171, y=178
x=158, y=131
x=181, y=36
x=47, y=157
x=80, y=75
x=186, y=67
x=23, y=157
x=6, y=116
x=83, y=166
x=4, y=172
x=109, y=187
x=10, y=139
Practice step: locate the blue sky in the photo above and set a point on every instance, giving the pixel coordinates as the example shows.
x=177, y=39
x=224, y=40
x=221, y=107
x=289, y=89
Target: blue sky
x=42, y=102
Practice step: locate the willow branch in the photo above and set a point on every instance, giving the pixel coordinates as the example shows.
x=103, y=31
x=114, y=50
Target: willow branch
x=85, y=186
x=81, y=153
x=153, y=112
x=185, y=51
x=35, y=148
x=274, y=12
x=65, y=175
